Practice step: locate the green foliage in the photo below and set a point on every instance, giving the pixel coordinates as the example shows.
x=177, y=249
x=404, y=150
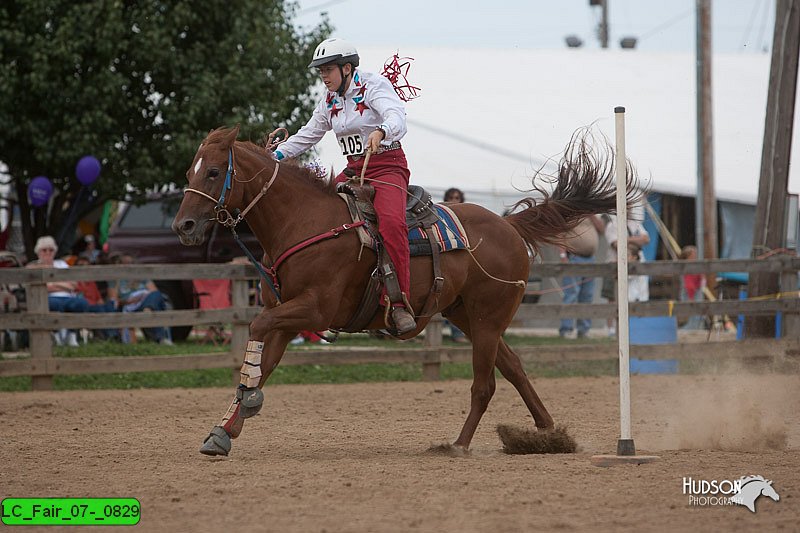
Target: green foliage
x=139, y=85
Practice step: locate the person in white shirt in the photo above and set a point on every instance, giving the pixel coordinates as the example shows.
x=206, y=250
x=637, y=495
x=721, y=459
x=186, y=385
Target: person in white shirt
x=62, y=296
x=366, y=114
x=637, y=285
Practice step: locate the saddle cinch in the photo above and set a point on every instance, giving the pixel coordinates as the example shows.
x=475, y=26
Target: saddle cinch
x=419, y=214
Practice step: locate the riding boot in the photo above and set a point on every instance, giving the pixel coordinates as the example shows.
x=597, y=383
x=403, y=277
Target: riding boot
x=403, y=320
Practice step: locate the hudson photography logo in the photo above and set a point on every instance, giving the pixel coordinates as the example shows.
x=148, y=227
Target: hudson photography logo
x=743, y=491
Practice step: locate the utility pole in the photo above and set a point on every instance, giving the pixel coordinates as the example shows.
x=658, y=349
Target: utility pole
x=705, y=198
x=770, y=221
x=602, y=27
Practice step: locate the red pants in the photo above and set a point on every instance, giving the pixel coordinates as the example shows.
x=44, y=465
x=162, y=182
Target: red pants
x=391, y=172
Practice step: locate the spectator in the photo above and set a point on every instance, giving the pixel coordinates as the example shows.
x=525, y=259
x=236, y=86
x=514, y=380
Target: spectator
x=583, y=246
x=88, y=289
x=90, y=250
x=638, y=286
x=692, y=286
x=93, y=293
x=62, y=296
x=140, y=295
x=454, y=195
x=638, y=237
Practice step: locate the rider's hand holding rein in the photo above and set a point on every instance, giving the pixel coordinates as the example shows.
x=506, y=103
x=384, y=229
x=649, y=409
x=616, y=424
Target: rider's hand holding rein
x=374, y=140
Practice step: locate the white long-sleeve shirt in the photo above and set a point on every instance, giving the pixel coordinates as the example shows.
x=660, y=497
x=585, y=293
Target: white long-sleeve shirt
x=370, y=101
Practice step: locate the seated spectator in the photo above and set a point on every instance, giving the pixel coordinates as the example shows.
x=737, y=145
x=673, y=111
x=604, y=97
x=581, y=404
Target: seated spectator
x=140, y=295
x=93, y=292
x=90, y=250
x=62, y=296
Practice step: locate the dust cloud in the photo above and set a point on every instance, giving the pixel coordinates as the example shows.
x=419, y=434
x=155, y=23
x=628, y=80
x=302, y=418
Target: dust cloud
x=729, y=412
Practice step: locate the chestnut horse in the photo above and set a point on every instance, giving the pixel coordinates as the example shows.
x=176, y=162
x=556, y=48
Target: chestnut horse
x=321, y=285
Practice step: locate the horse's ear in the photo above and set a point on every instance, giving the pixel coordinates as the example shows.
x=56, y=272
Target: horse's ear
x=232, y=135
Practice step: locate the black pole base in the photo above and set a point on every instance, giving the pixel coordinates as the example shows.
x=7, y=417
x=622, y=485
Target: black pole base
x=626, y=447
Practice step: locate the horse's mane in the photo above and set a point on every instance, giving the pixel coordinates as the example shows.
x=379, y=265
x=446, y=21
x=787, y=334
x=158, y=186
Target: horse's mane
x=291, y=167
x=294, y=170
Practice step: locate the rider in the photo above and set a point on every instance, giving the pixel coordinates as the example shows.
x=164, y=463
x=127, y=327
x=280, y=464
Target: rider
x=366, y=114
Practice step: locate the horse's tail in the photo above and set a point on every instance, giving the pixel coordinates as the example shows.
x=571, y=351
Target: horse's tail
x=584, y=186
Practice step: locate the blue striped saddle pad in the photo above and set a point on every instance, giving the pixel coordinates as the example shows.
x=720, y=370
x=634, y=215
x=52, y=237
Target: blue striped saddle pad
x=448, y=231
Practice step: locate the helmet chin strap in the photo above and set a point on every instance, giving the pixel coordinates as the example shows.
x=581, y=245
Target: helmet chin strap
x=341, y=89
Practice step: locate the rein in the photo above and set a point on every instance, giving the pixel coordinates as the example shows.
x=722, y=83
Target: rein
x=224, y=217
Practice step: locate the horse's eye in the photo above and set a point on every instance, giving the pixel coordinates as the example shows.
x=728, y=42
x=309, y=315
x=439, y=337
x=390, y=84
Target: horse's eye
x=213, y=172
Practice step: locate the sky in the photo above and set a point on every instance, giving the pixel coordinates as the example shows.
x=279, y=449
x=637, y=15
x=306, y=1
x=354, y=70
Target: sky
x=738, y=26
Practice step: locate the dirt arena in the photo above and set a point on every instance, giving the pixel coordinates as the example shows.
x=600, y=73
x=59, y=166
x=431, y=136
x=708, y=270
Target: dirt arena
x=354, y=457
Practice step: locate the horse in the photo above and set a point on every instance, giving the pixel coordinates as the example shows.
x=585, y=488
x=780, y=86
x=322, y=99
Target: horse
x=320, y=286
x=751, y=488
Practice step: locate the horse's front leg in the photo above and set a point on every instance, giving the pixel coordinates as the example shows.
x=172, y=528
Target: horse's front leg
x=260, y=359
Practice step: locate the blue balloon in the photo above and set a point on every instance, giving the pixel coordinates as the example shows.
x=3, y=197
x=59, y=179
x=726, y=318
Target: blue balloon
x=87, y=170
x=39, y=191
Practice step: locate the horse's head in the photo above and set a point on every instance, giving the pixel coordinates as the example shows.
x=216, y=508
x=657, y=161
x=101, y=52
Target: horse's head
x=210, y=193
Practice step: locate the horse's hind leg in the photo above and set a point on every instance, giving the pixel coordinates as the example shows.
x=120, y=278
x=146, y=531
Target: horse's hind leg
x=484, y=352
x=510, y=365
x=256, y=368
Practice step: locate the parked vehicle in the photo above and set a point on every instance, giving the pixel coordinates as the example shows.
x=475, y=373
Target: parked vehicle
x=145, y=231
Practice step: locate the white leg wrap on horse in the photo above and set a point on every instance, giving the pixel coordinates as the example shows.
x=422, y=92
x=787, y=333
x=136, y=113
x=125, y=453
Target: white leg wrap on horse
x=251, y=368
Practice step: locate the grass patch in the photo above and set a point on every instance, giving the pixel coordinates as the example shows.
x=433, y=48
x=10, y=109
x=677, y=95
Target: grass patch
x=306, y=374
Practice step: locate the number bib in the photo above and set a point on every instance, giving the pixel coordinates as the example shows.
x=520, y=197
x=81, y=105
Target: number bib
x=351, y=145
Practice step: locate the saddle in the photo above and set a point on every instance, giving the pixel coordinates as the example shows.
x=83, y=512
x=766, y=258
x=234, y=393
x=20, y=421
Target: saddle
x=418, y=204
x=419, y=214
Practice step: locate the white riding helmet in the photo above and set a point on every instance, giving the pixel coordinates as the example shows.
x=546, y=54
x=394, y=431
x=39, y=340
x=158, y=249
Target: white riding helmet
x=336, y=51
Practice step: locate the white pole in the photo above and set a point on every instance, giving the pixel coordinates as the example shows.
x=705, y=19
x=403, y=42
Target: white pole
x=622, y=286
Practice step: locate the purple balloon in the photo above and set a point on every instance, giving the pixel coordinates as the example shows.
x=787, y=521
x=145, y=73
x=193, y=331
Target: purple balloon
x=39, y=191
x=87, y=170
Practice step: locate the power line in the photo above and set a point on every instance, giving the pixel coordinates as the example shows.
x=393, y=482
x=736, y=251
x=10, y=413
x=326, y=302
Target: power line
x=321, y=6
x=667, y=24
x=482, y=145
x=756, y=7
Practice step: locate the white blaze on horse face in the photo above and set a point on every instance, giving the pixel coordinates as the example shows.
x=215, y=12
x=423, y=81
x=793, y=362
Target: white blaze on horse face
x=198, y=165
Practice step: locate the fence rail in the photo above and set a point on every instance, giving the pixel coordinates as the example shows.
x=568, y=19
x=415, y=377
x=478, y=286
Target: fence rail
x=42, y=366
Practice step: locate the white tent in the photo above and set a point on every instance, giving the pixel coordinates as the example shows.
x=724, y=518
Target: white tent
x=487, y=119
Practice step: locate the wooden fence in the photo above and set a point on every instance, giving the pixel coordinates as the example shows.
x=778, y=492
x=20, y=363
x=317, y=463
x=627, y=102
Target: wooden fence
x=42, y=366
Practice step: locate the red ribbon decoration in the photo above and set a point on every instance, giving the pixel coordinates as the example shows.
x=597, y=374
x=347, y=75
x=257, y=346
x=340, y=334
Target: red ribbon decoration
x=395, y=69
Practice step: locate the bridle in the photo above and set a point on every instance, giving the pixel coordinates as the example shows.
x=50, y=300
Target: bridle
x=221, y=212
x=224, y=216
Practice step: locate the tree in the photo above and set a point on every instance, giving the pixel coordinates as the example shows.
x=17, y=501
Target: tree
x=138, y=84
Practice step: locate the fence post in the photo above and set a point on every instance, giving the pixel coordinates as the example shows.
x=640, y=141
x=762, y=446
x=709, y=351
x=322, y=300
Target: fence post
x=431, y=368
x=240, y=298
x=40, y=339
x=790, y=321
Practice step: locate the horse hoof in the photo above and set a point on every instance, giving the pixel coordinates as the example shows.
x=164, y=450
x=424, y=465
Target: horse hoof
x=250, y=401
x=449, y=450
x=218, y=442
